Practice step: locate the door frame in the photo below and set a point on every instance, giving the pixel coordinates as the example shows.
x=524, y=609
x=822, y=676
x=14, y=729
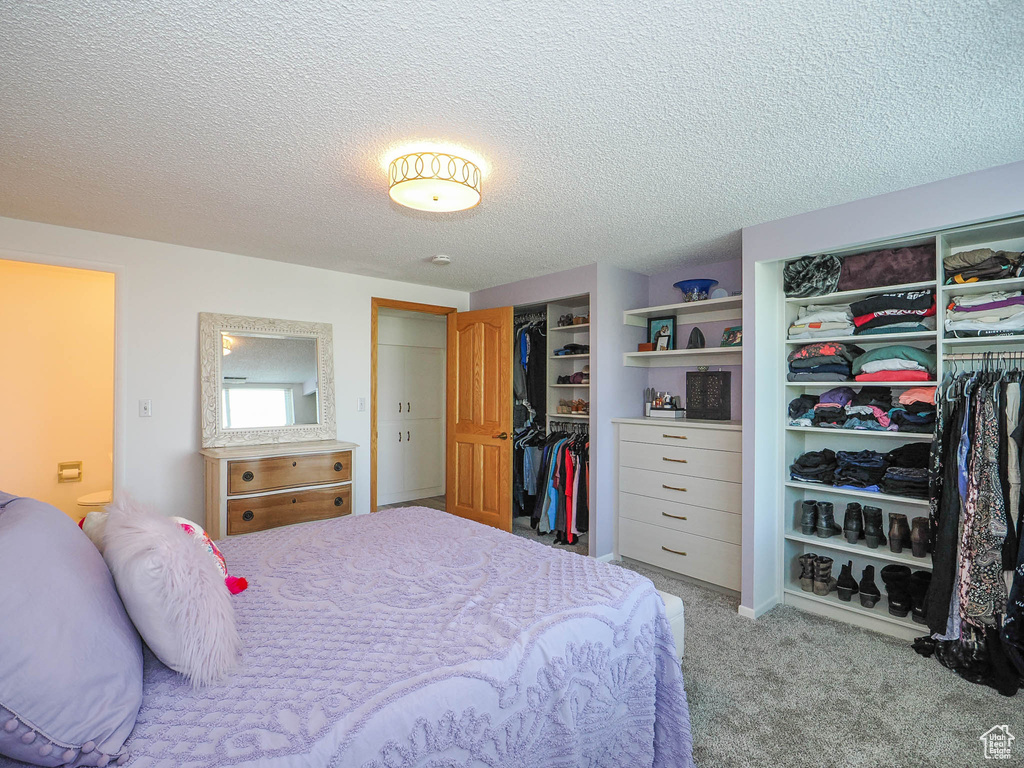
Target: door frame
x=377, y=304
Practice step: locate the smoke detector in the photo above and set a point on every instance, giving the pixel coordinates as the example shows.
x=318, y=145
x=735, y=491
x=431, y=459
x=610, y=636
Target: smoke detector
x=441, y=260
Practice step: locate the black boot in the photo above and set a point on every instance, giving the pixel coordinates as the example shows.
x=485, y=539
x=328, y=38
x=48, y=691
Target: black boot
x=873, y=532
x=853, y=523
x=897, y=589
x=899, y=532
x=869, y=594
x=846, y=584
x=808, y=517
x=919, y=536
x=826, y=520
x=807, y=571
x=918, y=588
x=823, y=581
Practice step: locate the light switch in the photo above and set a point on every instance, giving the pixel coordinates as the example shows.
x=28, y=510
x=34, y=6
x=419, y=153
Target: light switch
x=145, y=407
x=361, y=404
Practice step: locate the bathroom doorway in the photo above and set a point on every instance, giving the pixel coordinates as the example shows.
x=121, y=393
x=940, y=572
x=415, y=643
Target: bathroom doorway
x=57, y=392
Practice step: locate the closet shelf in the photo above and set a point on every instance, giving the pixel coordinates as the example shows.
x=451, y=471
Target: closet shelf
x=878, y=498
x=880, y=611
x=689, y=312
x=560, y=416
x=881, y=553
x=988, y=342
x=570, y=386
x=831, y=384
x=878, y=338
x=845, y=297
x=923, y=436
x=684, y=357
x=570, y=328
x=1009, y=284
x=570, y=357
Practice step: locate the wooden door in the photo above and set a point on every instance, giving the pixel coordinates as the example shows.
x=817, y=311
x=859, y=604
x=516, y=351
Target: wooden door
x=479, y=433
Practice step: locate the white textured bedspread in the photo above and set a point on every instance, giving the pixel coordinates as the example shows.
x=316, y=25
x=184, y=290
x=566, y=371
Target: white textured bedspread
x=415, y=638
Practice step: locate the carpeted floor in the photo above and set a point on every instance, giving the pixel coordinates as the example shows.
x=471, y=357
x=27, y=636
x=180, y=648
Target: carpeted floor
x=521, y=527
x=796, y=690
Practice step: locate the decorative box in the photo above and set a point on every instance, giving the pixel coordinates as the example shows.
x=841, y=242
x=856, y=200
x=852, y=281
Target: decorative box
x=645, y=346
x=709, y=395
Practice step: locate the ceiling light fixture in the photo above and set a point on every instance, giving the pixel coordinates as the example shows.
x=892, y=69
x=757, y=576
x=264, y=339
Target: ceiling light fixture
x=226, y=343
x=435, y=181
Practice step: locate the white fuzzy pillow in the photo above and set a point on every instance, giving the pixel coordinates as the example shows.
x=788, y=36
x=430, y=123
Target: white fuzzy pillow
x=173, y=592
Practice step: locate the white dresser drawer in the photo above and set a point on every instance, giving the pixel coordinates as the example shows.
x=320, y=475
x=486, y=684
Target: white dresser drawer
x=695, y=462
x=707, y=559
x=685, y=518
x=692, y=437
x=698, y=491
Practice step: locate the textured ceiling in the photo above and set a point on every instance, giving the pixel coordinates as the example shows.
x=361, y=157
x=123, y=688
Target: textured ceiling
x=263, y=360
x=639, y=132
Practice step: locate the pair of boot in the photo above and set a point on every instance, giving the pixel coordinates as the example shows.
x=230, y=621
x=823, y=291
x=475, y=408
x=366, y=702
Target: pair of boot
x=902, y=537
x=906, y=591
x=816, y=574
x=863, y=523
x=818, y=517
x=847, y=586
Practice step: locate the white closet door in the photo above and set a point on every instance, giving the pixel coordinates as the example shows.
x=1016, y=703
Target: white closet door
x=391, y=461
x=391, y=382
x=424, y=454
x=425, y=379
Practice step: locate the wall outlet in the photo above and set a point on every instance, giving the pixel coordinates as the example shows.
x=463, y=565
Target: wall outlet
x=361, y=404
x=145, y=407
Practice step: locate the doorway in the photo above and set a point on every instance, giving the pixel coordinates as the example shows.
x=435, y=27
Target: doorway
x=57, y=332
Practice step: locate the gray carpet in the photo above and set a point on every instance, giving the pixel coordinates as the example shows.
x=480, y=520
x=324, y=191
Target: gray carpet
x=797, y=690
x=521, y=527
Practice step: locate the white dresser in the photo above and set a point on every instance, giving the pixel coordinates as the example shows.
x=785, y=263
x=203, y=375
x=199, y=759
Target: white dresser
x=679, y=496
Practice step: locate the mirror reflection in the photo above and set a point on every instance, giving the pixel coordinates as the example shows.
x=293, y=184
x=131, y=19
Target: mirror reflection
x=268, y=381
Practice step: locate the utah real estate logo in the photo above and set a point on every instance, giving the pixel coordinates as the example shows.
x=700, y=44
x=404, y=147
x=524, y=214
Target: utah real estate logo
x=998, y=742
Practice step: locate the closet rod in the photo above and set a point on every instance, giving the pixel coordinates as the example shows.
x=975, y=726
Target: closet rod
x=983, y=356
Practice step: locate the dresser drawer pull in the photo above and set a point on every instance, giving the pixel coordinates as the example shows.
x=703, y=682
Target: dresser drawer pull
x=248, y=476
x=675, y=437
x=677, y=461
x=338, y=466
x=248, y=515
x=673, y=551
x=672, y=488
x=338, y=501
x=674, y=517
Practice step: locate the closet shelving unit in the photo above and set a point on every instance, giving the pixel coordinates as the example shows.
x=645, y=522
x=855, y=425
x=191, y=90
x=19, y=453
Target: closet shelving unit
x=565, y=365
x=687, y=313
x=1006, y=234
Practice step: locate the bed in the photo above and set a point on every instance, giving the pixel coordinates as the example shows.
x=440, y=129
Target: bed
x=415, y=638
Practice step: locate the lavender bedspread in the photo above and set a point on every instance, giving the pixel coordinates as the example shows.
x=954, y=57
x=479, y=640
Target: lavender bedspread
x=414, y=638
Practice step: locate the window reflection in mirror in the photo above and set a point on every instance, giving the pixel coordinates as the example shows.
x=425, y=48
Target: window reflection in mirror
x=268, y=381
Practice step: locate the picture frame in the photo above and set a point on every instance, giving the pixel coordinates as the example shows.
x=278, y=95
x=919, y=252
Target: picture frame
x=661, y=332
x=732, y=337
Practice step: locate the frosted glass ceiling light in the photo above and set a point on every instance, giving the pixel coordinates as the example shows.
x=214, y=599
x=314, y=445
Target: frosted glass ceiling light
x=434, y=181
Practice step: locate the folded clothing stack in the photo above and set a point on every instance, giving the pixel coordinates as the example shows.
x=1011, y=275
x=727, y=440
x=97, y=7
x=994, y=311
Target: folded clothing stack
x=817, y=320
x=907, y=473
x=831, y=408
x=915, y=411
x=573, y=349
x=901, y=312
x=982, y=264
x=895, y=362
x=869, y=409
x=822, y=361
x=986, y=314
x=814, y=467
x=801, y=410
x=859, y=470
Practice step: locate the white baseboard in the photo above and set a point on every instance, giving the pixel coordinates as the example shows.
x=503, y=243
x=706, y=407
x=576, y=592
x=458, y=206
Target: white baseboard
x=609, y=558
x=760, y=610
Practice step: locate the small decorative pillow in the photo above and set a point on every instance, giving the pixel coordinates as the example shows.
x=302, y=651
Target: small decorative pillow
x=173, y=591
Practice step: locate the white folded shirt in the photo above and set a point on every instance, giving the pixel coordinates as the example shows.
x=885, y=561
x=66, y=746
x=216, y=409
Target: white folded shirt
x=892, y=364
x=824, y=313
x=983, y=298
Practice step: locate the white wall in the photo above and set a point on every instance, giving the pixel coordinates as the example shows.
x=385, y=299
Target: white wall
x=161, y=289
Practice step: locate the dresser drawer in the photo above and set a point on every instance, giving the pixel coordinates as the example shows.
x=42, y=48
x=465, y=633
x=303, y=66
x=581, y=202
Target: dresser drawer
x=692, y=437
x=698, y=491
x=695, y=462
x=261, y=512
x=707, y=559
x=686, y=518
x=254, y=475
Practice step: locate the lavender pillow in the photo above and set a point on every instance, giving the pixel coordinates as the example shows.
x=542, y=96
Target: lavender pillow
x=70, y=659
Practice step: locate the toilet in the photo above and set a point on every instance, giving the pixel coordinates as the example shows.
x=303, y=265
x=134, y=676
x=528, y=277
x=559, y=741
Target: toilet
x=94, y=502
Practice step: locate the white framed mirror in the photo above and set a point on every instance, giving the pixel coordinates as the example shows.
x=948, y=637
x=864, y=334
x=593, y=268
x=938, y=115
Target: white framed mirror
x=265, y=381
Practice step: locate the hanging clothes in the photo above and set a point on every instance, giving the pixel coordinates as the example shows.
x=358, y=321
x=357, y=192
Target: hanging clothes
x=529, y=410
x=562, y=505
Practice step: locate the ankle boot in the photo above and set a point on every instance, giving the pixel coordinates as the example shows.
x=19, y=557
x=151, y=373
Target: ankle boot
x=918, y=588
x=853, y=523
x=869, y=594
x=873, y=527
x=823, y=581
x=826, y=520
x=807, y=571
x=899, y=532
x=919, y=537
x=897, y=589
x=808, y=517
x=846, y=584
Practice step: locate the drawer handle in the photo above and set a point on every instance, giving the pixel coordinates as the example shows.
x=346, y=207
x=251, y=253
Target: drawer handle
x=675, y=437
x=674, y=517
x=338, y=466
x=672, y=488
x=293, y=501
x=673, y=551
x=248, y=476
x=338, y=501
x=294, y=463
x=677, y=461
x=248, y=515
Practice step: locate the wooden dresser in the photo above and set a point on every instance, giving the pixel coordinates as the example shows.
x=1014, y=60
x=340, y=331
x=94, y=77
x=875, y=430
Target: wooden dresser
x=252, y=488
x=679, y=497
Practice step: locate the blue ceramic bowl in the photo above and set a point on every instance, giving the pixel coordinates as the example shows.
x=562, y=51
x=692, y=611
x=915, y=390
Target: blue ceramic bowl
x=697, y=289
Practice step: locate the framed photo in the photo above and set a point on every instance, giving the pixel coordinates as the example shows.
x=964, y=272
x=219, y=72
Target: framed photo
x=661, y=332
x=732, y=337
